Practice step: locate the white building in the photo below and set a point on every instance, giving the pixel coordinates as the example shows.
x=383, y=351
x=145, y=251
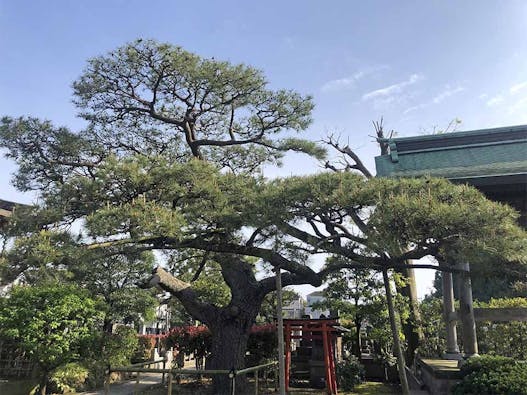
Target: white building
x=160, y=325
x=295, y=309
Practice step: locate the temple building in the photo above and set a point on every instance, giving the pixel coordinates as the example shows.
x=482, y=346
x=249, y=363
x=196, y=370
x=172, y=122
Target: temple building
x=495, y=162
x=492, y=160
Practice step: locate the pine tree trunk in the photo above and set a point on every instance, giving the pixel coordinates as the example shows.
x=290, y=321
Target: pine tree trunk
x=229, y=345
x=107, y=326
x=358, y=348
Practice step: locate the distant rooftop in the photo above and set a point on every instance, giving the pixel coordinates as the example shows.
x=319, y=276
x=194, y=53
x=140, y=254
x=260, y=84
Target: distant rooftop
x=6, y=205
x=493, y=160
x=316, y=293
x=6, y=209
x=473, y=154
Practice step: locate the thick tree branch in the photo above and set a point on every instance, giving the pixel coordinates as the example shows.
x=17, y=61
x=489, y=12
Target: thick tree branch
x=347, y=151
x=184, y=292
x=201, y=266
x=329, y=247
x=269, y=284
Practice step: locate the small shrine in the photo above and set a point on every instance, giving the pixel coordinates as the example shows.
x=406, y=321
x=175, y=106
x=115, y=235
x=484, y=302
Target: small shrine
x=312, y=348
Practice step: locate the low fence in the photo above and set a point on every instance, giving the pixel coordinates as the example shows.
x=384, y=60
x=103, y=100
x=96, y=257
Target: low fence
x=13, y=361
x=173, y=374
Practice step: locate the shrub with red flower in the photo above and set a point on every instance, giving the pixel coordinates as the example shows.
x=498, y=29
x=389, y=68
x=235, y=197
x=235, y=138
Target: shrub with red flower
x=145, y=347
x=190, y=340
x=262, y=343
x=197, y=340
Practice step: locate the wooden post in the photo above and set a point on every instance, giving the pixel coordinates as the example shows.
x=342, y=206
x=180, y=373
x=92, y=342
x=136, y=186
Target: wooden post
x=287, y=369
x=332, y=358
x=107, y=382
x=394, y=325
x=256, y=382
x=232, y=376
x=452, y=349
x=327, y=359
x=136, y=388
x=170, y=378
x=412, y=327
x=466, y=312
x=280, y=331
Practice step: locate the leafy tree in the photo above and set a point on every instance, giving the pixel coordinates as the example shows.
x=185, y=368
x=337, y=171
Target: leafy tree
x=495, y=278
x=115, y=280
x=54, y=256
x=151, y=108
x=382, y=223
x=50, y=323
x=199, y=269
x=267, y=312
x=348, y=160
x=433, y=326
x=354, y=293
x=163, y=166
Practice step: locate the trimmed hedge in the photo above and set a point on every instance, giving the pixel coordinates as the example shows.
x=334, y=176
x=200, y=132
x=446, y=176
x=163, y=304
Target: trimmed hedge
x=262, y=342
x=488, y=375
x=350, y=372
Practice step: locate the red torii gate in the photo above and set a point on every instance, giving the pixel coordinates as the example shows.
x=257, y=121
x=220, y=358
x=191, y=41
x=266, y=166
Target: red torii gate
x=313, y=329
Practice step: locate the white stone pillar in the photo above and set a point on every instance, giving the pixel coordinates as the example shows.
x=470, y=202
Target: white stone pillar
x=466, y=312
x=452, y=349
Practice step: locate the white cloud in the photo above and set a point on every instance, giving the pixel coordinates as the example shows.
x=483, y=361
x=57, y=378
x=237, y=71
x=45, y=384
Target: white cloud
x=520, y=105
x=483, y=96
x=518, y=87
x=494, y=101
x=414, y=108
x=447, y=92
x=392, y=89
x=348, y=82
x=342, y=83
x=441, y=96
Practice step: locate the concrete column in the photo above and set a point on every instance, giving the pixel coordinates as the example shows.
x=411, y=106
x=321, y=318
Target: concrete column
x=452, y=349
x=466, y=312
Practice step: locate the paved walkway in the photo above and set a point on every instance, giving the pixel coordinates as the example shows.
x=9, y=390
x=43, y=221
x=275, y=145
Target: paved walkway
x=146, y=381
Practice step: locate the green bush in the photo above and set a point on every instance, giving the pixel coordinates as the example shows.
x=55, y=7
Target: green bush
x=119, y=347
x=503, y=338
x=494, y=338
x=493, y=375
x=70, y=377
x=433, y=328
x=144, y=348
x=262, y=343
x=104, y=349
x=350, y=372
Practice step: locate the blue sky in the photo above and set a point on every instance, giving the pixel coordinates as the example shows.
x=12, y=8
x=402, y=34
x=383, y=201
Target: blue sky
x=419, y=64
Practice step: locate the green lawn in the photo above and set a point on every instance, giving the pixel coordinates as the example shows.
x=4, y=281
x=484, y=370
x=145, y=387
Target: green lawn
x=366, y=388
x=374, y=388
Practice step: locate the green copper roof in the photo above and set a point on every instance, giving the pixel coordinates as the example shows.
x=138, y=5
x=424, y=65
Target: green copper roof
x=473, y=154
